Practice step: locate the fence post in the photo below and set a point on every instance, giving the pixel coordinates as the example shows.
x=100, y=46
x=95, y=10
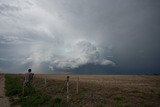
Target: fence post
x=91, y=99
x=77, y=84
x=45, y=80
x=67, y=88
x=23, y=90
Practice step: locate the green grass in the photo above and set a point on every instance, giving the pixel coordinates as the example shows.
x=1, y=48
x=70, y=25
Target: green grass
x=12, y=85
x=30, y=97
x=34, y=100
x=118, y=101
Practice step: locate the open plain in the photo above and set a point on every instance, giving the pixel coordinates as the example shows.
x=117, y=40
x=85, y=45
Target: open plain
x=103, y=90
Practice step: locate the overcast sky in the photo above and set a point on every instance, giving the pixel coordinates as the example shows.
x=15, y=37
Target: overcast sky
x=46, y=35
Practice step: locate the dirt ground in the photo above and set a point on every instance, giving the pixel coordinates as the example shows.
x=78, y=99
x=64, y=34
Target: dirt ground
x=4, y=101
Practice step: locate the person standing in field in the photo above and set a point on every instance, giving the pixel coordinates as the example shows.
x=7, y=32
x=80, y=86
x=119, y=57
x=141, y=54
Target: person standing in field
x=28, y=78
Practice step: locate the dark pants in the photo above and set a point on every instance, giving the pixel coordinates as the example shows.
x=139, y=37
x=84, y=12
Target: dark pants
x=27, y=83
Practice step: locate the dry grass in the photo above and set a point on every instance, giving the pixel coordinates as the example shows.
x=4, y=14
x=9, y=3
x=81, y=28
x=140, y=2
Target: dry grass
x=104, y=90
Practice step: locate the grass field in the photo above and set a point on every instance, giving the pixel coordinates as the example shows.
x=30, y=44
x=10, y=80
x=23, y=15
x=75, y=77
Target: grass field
x=96, y=91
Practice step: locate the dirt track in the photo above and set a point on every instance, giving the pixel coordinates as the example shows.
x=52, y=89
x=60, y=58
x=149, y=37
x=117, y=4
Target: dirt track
x=4, y=101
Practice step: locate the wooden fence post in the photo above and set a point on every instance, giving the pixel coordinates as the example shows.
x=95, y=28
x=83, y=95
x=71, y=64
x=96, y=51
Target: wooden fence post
x=91, y=99
x=23, y=90
x=45, y=80
x=67, y=88
x=77, y=84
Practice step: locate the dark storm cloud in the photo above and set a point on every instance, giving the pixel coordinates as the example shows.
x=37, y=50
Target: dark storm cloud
x=68, y=34
x=136, y=37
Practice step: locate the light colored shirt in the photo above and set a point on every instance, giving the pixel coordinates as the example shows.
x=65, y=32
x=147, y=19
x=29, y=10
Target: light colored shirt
x=28, y=76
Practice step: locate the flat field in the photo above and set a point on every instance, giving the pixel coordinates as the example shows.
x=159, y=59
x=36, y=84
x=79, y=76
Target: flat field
x=103, y=90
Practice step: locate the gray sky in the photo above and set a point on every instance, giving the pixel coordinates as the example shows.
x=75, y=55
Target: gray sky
x=66, y=34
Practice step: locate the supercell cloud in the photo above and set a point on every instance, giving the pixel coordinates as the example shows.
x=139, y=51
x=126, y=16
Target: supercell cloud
x=63, y=35
x=31, y=35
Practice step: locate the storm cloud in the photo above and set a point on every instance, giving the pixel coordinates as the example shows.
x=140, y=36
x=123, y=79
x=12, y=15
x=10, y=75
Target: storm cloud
x=59, y=34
